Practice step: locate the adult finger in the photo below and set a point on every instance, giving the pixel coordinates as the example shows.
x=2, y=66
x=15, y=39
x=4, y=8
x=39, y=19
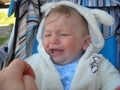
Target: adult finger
x=118, y=88
x=20, y=67
x=12, y=76
x=29, y=83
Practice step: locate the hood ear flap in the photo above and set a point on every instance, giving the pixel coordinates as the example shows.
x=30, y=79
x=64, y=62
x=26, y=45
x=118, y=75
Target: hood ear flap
x=103, y=17
x=46, y=7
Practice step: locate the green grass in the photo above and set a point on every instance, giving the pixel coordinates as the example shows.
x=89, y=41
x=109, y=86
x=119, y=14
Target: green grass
x=3, y=39
x=6, y=21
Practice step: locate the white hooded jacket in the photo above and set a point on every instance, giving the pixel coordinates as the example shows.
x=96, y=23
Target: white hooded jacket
x=93, y=72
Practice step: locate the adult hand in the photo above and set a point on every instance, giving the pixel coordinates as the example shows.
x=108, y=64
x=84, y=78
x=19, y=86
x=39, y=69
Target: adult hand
x=118, y=88
x=17, y=76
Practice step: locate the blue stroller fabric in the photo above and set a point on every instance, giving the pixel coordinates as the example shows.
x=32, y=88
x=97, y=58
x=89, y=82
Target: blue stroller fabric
x=3, y=57
x=111, y=49
x=117, y=31
x=27, y=24
x=29, y=18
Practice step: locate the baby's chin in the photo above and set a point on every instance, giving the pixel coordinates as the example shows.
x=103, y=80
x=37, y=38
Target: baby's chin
x=58, y=60
x=62, y=61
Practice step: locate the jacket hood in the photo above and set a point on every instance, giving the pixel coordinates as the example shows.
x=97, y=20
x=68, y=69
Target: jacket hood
x=93, y=18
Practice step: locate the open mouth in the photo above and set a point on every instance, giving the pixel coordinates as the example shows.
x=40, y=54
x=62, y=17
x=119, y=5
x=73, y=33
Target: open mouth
x=56, y=52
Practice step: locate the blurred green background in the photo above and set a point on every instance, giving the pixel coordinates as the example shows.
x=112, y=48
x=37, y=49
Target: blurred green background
x=6, y=25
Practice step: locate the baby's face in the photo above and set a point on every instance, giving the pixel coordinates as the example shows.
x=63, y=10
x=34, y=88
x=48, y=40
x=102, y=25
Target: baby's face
x=63, y=38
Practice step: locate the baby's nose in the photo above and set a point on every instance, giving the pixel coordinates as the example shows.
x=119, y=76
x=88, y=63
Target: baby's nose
x=54, y=39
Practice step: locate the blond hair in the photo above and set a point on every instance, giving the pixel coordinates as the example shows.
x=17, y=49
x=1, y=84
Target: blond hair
x=68, y=11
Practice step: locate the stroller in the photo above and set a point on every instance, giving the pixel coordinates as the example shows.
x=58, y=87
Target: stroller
x=22, y=42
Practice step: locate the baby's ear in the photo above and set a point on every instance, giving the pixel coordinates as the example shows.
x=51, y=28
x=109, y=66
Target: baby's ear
x=87, y=41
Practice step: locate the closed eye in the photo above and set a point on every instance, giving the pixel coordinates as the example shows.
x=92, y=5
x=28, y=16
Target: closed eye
x=47, y=35
x=64, y=35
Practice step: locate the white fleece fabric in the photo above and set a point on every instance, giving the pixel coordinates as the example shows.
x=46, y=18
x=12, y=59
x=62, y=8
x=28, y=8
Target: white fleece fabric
x=93, y=72
x=89, y=75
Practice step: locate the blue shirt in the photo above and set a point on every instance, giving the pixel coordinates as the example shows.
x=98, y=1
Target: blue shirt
x=66, y=73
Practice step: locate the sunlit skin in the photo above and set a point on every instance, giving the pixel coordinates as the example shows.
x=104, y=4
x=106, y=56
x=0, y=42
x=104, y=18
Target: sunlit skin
x=17, y=76
x=64, y=37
